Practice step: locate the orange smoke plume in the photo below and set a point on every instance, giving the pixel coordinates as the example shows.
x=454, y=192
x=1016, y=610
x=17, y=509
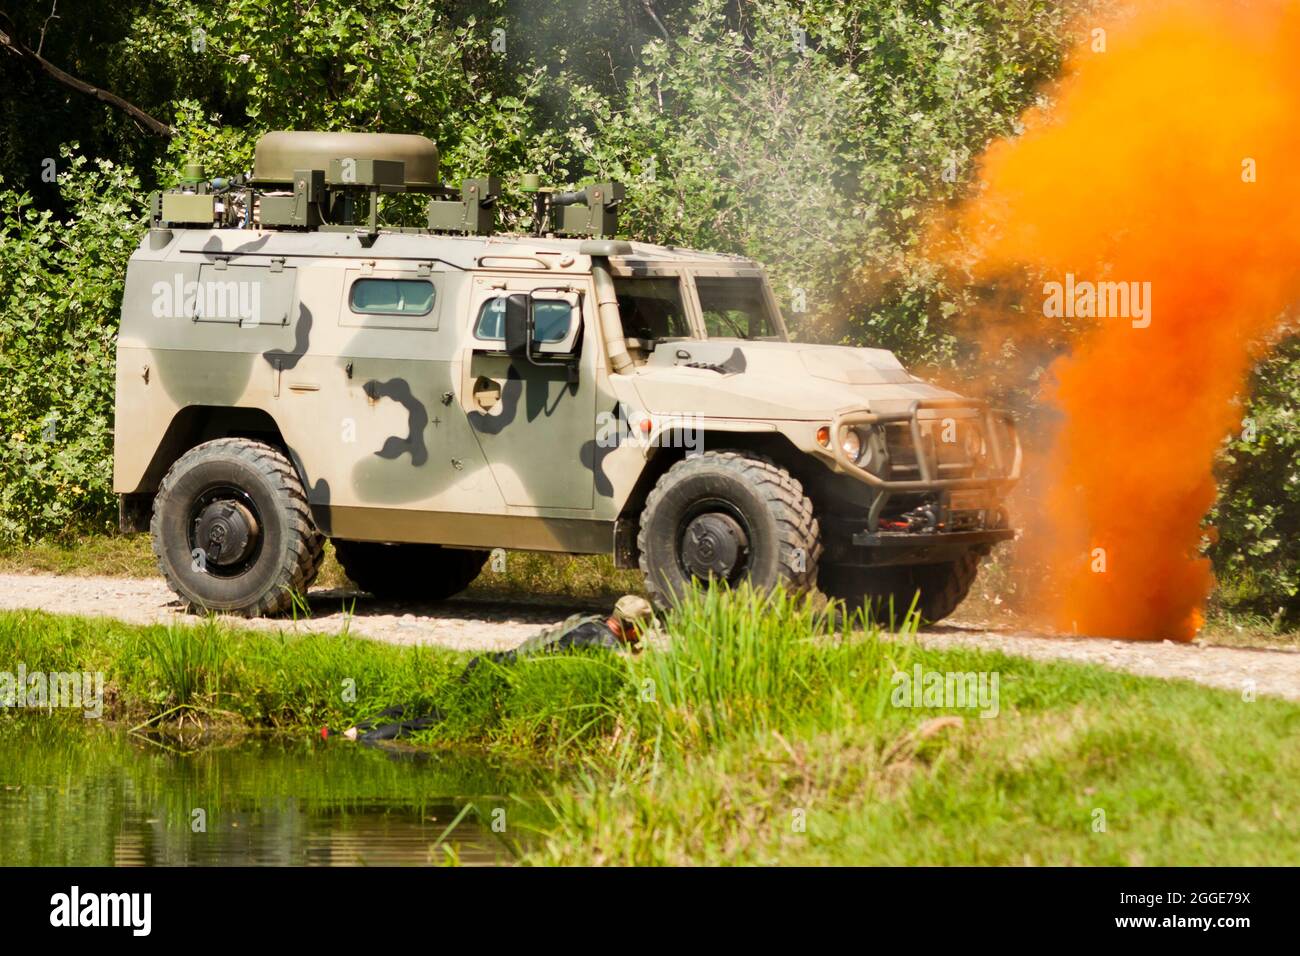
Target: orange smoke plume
x=1167, y=163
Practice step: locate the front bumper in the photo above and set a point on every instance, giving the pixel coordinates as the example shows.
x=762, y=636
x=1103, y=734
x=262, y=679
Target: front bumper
x=911, y=539
x=877, y=549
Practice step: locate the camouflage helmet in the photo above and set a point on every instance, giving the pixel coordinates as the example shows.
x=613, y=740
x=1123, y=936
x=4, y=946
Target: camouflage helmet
x=633, y=609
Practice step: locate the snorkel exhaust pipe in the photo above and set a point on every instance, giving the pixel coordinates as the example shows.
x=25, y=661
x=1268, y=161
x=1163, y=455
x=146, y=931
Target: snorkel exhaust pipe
x=606, y=301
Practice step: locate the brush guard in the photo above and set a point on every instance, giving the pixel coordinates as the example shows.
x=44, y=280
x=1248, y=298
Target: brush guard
x=965, y=513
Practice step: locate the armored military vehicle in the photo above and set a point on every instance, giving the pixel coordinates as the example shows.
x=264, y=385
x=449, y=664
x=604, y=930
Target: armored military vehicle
x=291, y=369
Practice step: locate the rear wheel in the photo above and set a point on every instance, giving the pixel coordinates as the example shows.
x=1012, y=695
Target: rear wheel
x=424, y=572
x=232, y=531
x=727, y=517
x=888, y=592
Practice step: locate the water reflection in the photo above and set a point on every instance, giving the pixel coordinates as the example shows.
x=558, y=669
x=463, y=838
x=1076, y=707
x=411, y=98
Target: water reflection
x=92, y=798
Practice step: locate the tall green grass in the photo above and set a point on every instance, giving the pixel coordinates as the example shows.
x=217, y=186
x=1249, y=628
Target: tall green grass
x=190, y=662
x=745, y=663
x=773, y=736
x=253, y=678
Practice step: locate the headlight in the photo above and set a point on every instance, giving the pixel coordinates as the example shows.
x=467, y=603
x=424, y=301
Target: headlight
x=851, y=444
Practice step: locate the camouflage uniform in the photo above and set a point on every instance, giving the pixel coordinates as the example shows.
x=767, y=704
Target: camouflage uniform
x=582, y=631
x=575, y=631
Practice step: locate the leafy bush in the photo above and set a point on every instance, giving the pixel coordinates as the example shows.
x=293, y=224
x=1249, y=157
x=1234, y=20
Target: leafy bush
x=813, y=136
x=60, y=298
x=1257, y=518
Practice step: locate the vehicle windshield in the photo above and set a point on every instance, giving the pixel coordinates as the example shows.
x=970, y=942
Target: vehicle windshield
x=651, y=309
x=735, y=308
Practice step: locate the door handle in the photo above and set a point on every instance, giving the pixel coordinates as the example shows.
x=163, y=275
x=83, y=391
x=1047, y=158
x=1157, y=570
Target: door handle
x=486, y=392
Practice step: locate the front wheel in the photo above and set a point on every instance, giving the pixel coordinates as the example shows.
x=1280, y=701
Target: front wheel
x=232, y=531
x=727, y=517
x=887, y=592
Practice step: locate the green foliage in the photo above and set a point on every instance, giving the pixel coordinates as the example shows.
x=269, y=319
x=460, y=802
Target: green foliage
x=60, y=296
x=745, y=663
x=342, y=64
x=813, y=136
x=1257, y=518
x=248, y=678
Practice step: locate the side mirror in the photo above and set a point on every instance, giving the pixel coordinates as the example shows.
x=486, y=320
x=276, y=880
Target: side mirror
x=519, y=324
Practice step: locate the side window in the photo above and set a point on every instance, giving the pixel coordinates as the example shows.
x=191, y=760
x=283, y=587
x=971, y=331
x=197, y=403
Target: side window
x=552, y=319
x=651, y=309
x=734, y=308
x=491, y=322
x=392, y=296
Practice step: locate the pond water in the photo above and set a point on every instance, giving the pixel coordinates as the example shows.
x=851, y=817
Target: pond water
x=96, y=797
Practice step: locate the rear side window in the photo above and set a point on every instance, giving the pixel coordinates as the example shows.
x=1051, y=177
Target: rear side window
x=392, y=297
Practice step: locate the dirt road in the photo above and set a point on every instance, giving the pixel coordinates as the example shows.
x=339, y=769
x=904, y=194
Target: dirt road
x=475, y=624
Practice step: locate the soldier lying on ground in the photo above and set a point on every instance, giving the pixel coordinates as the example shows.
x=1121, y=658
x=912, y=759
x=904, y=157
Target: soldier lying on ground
x=631, y=617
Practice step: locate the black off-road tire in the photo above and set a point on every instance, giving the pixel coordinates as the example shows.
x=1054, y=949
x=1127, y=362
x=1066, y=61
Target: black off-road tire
x=888, y=592
x=288, y=549
x=784, y=538
x=409, y=572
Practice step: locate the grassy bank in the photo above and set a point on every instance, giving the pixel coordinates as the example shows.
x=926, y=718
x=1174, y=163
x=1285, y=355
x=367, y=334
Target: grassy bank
x=765, y=735
x=992, y=600
x=773, y=741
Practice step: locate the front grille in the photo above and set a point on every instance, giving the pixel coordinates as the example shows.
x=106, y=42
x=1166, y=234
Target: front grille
x=902, y=452
x=951, y=458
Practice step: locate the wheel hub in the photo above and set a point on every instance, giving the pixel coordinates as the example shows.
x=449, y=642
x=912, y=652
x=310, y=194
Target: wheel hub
x=714, y=545
x=227, y=532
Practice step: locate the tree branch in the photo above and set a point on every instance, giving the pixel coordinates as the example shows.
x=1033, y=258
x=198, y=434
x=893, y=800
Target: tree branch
x=35, y=59
x=650, y=9
x=46, y=25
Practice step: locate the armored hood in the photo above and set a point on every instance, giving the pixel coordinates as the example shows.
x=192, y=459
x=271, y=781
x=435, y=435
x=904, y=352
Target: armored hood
x=729, y=378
